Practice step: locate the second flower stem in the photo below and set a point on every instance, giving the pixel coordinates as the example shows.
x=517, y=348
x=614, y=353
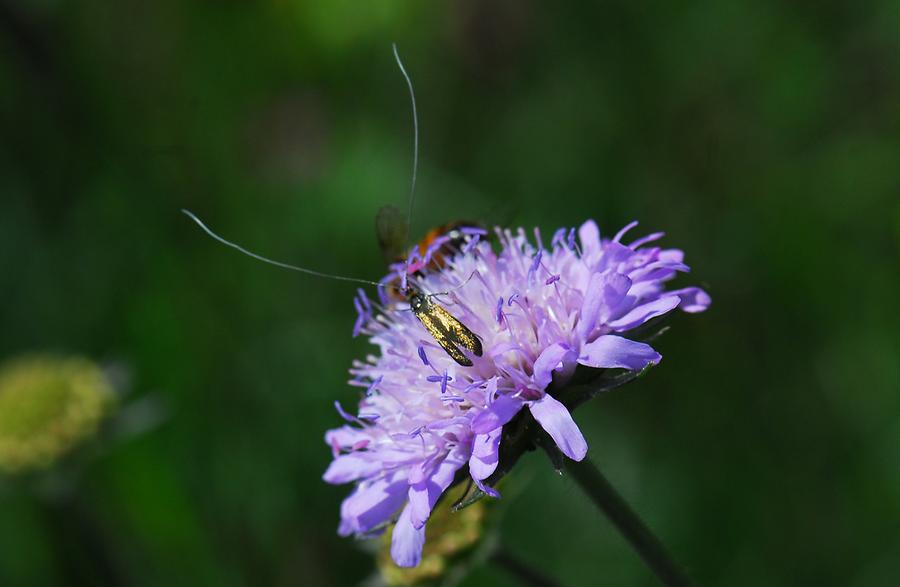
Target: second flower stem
x=647, y=545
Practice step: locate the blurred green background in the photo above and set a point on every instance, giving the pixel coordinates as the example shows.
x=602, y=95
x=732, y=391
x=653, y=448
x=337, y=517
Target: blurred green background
x=762, y=136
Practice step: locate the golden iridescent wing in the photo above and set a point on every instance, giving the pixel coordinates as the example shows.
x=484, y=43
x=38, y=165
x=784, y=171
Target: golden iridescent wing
x=449, y=332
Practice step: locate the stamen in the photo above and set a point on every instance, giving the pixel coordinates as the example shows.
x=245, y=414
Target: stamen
x=647, y=239
x=364, y=299
x=558, y=238
x=472, y=230
x=375, y=384
x=535, y=264
x=471, y=244
x=625, y=229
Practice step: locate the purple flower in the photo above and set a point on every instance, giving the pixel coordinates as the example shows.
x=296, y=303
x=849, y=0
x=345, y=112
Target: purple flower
x=428, y=419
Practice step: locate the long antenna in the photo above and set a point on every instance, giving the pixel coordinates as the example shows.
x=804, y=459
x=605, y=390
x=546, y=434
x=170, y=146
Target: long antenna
x=412, y=188
x=193, y=217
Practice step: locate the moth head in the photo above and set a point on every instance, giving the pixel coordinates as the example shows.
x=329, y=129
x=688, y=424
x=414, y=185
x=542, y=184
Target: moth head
x=417, y=300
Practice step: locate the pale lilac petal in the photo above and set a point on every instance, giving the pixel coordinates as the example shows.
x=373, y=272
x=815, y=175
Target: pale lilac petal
x=604, y=294
x=407, y=541
x=497, y=414
x=693, y=299
x=345, y=436
x=616, y=295
x=615, y=352
x=644, y=312
x=557, y=421
x=613, y=255
x=374, y=503
x=485, y=454
x=672, y=255
x=589, y=235
x=590, y=307
x=556, y=356
x=423, y=495
x=351, y=467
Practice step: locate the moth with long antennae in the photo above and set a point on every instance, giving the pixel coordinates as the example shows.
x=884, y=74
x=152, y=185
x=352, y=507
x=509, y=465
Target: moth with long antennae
x=452, y=335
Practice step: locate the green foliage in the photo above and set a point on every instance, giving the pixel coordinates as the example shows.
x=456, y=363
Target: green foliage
x=762, y=136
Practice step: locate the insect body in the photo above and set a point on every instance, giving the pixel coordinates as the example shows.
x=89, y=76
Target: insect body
x=391, y=228
x=454, y=236
x=449, y=332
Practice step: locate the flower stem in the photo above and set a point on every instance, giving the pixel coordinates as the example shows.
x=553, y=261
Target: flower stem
x=516, y=567
x=647, y=545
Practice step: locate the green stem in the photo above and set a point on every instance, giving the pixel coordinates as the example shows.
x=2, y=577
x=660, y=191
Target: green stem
x=647, y=545
x=516, y=567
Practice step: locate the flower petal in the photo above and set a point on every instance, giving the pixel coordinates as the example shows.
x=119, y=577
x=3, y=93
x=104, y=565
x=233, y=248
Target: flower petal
x=557, y=421
x=351, y=467
x=372, y=504
x=693, y=299
x=612, y=352
x=345, y=436
x=605, y=293
x=644, y=312
x=407, y=541
x=552, y=358
x=498, y=413
x=423, y=495
x=485, y=454
x=590, y=307
x=589, y=235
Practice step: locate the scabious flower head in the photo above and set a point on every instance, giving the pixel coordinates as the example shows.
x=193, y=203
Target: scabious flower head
x=48, y=405
x=425, y=420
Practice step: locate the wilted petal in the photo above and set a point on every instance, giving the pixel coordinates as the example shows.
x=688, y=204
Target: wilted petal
x=557, y=421
x=615, y=352
x=644, y=312
x=407, y=541
x=485, y=454
x=498, y=413
x=553, y=357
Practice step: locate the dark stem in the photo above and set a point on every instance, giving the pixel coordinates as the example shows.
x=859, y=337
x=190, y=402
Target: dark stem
x=82, y=547
x=521, y=570
x=648, y=546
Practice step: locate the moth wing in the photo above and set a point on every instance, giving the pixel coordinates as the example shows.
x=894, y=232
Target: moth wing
x=434, y=324
x=391, y=230
x=457, y=331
